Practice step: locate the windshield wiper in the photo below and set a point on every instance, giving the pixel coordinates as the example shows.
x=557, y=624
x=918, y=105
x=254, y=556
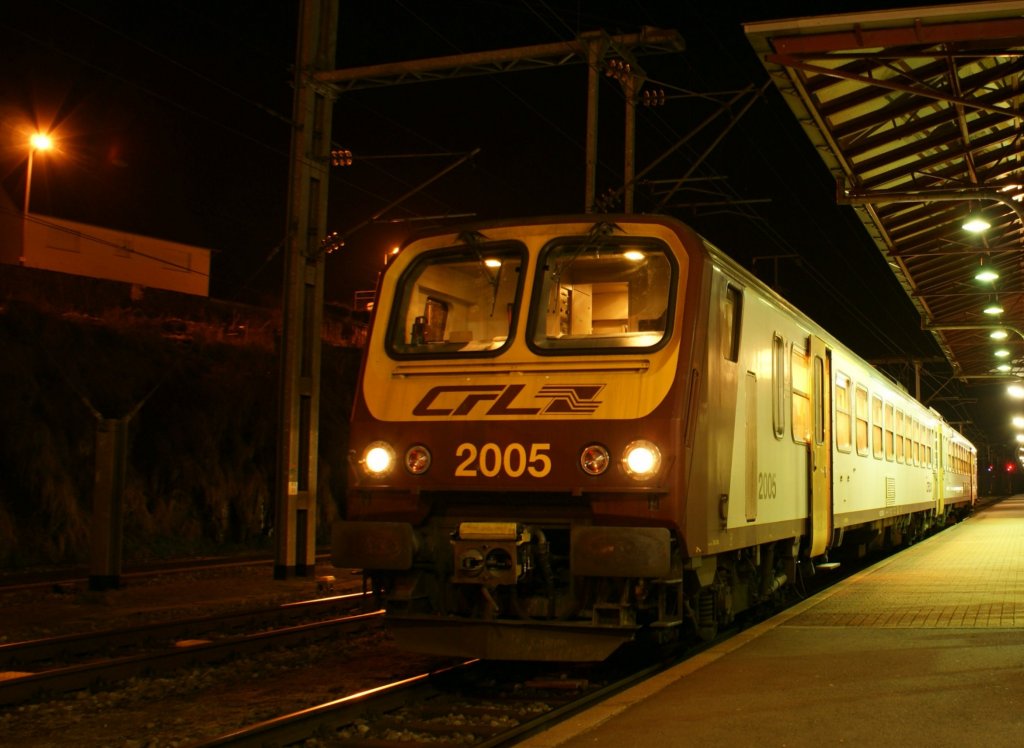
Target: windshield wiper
x=472, y=240
x=595, y=239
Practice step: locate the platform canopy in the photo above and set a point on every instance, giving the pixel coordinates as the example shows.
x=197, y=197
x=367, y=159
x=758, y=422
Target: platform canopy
x=917, y=114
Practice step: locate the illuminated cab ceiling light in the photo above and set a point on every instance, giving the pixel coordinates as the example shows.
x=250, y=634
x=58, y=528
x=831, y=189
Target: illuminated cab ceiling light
x=998, y=335
x=492, y=263
x=976, y=225
x=633, y=254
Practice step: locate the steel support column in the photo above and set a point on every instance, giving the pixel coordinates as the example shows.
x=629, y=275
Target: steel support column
x=595, y=53
x=299, y=405
x=107, y=529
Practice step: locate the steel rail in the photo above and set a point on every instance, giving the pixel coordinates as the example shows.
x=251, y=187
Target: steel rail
x=17, y=687
x=21, y=653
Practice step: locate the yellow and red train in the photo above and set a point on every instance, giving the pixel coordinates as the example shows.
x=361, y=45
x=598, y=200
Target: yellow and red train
x=571, y=433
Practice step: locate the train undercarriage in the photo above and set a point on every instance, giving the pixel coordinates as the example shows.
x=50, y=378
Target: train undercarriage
x=506, y=590
x=500, y=589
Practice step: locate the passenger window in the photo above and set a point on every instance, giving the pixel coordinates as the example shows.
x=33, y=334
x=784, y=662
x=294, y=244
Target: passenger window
x=876, y=427
x=843, y=425
x=801, y=373
x=890, y=450
x=899, y=436
x=914, y=437
x=819, y=400
x=861, y=415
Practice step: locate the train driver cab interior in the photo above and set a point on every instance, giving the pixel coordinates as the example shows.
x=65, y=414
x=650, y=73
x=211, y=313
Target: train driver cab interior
x=458, y=301
x=607, y=296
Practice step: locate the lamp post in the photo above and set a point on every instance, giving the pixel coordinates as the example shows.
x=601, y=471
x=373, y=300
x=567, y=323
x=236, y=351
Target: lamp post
x=38, y=142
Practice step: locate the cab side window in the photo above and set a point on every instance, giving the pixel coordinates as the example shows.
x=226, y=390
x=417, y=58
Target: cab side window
x=733, y=315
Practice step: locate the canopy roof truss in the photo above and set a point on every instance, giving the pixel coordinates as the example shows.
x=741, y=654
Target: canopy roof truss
x=917, y=113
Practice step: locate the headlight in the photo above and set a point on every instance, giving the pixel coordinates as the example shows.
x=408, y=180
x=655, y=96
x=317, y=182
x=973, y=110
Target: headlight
x=641, y=459
x=594, y=459
x=417, y=459
x=378, y=459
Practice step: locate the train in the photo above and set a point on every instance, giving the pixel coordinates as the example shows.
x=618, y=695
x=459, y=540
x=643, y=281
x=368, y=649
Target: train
x=576, y=432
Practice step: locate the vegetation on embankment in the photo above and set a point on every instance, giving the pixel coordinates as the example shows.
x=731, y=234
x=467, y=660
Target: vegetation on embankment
x=201, y=391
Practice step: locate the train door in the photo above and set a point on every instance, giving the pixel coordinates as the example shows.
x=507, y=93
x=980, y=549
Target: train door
x=939, y=465
x=821, y=446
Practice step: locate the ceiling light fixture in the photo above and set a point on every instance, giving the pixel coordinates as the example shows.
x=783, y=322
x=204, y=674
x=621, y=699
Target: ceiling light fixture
x=976, y=224
x=985, y=273
x=993, y=309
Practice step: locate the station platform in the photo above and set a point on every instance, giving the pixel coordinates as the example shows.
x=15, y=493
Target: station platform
x=925, y=648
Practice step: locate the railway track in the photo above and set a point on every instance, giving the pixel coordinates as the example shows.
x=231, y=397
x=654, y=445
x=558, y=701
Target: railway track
x=476, y=703
x=470, y=703
x=382, y=714
x=68, y=663
x=79, y=578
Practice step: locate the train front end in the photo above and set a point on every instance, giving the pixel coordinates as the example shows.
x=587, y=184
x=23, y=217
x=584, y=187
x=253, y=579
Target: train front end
x=517, y=440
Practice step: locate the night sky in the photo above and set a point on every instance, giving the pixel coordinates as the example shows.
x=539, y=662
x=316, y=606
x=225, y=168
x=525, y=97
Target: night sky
x=173, y=121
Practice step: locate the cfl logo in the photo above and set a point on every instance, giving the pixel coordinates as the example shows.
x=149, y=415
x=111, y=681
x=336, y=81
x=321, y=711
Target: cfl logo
x=504, y=400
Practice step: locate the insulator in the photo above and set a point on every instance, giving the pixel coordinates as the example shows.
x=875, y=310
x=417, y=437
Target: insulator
x=615, y=68
x=654, y=98
x=332, y=243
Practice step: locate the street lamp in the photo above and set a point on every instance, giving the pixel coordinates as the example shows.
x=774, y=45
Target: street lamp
x=38, y=142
